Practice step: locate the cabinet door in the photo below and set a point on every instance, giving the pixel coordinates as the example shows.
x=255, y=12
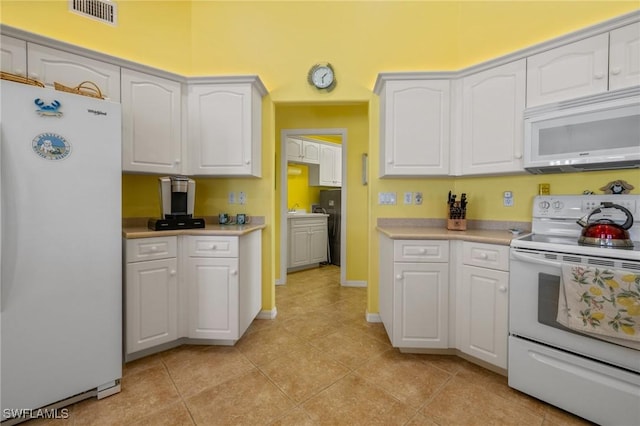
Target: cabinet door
x=13, y=55
x=414, y=132
x=481, y=314
x=311, y=152
x=224, y=130
x=213, y=298
x=50, y=65
x=294, y=150
x=570, y=71
x=492, y=122
x=420, y=305
x=299, y=254
x=151, y=123
x=151, y=304
x=624, y=57
x=330, y=165
x=318, y=244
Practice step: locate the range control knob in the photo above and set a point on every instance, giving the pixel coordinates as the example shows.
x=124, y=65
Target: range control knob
x=558, y=205
x=544, y=205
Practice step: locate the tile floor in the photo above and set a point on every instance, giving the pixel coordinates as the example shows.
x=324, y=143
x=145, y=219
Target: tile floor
x=319, y=362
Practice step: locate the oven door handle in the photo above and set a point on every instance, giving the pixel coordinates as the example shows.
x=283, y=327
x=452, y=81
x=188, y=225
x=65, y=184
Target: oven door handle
x=533, y=259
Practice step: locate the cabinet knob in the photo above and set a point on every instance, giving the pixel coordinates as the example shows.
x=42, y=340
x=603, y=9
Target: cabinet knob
x=423, y=251
x=213, y=246
x=389, y=161
x=18, y=71
x=34, y=75
x=247, y=162
x=399, y=277
x=599, y=75
x=234, y=272
x=502, y=289
x=616, y=70
x=154, y=248
x=483, y=256
x=172, y=272
x=518, y=156
x=177, y=161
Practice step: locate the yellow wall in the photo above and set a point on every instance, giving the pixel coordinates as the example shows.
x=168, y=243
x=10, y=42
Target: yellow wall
x=279, y=41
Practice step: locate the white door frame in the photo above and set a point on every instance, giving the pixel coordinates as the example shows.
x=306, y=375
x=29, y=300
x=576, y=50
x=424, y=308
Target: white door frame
x=284, y=191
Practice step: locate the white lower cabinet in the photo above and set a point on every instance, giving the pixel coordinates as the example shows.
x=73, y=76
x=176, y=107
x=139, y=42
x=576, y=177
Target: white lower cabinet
x=151, y=293
x=210, y=290
x=482, y=302
x=307, y=241
x=414, y=292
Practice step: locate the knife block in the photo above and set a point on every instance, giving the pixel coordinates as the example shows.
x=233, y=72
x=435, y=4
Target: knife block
x=457, y=224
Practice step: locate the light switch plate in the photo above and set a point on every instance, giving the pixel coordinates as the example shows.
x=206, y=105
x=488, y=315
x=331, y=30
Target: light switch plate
x=242, y=197
x=408, y=197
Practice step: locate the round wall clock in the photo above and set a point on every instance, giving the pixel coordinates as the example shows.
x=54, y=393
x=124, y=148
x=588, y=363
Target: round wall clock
x=322, y=76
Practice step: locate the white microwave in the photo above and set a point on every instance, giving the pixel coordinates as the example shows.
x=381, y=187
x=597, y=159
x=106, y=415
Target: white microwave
x=594, y=133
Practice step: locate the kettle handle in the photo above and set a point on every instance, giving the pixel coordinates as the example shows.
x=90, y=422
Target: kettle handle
x=606, y=204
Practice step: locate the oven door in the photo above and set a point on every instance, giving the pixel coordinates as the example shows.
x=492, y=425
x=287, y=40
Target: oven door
x=533, y=306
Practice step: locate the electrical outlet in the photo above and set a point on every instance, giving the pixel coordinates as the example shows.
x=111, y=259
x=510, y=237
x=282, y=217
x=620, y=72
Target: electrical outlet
x=232, y=198
x=507, y=199
x=417, y=197
x=242, y=197
x=407, y=197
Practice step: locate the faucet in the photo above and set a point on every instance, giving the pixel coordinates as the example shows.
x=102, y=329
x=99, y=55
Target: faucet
x=293, y=209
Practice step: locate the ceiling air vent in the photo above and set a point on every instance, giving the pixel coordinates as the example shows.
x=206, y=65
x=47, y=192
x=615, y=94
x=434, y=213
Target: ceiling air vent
x=102, y=10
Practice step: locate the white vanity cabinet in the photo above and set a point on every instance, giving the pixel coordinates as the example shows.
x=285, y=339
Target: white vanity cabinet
x=482, y=302
x=151, y=124
x=492, y=104
x=224, y=279
x=225, y=127
x=329, y=172
x=13, y=55
x=308, y=235
x=151, y=292
x=49, y=65
x=303, y=151
x=414, y=126
x=624, y=57
x=414, y=292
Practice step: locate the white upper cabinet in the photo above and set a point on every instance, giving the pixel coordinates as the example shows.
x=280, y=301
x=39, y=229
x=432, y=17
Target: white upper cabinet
x=13, y=55
x=51, y=65
x=570, y=71
x=329, y=173
x=225, y=128
x=303, y=151
x=493, y=102
x=624, y=57
x=414, y=127
x=151, y=124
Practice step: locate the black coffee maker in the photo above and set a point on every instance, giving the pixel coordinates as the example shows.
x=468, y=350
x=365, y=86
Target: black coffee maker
x=177, y=199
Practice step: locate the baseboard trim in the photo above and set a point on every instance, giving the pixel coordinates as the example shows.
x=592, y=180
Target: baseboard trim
x=267, y=314
x=373, y=317
x=355, y=284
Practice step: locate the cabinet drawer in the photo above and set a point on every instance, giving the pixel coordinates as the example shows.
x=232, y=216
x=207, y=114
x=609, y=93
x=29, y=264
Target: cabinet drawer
x=312, y=221
x=210, y=246
x=421, y=251
x=486, y=255
x=141, y=249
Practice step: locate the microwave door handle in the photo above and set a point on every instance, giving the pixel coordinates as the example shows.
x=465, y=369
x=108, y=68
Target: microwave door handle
x=532, y=259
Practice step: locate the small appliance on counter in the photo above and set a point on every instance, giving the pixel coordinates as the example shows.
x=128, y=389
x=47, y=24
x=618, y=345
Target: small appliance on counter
x=177, y=199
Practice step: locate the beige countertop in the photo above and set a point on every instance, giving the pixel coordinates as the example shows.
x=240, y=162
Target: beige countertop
x=137, y=228
x=489, y=232
x=488, y=236
x=305, y=215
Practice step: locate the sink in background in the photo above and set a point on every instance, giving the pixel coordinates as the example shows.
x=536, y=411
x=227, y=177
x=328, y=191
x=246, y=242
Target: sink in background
x=298, y=211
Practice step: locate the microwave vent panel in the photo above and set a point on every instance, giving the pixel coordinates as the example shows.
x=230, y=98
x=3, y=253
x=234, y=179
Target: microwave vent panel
x=101, y=10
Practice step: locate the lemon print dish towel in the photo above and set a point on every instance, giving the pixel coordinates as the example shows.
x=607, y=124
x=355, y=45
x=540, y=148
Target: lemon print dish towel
x=600, y=301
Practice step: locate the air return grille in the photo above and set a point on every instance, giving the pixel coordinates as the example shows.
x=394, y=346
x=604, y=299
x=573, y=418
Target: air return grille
x=102, y=10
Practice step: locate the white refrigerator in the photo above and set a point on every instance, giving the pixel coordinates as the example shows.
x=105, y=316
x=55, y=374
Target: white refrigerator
x=61, y=281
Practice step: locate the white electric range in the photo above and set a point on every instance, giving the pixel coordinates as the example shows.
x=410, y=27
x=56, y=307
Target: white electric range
x=594, y=376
